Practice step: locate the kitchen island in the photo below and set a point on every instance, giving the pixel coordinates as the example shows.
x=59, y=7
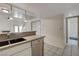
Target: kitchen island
x=27, y=46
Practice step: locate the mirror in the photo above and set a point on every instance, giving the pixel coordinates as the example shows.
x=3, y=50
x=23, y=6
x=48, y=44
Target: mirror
x=17, y=20
x=13, y=19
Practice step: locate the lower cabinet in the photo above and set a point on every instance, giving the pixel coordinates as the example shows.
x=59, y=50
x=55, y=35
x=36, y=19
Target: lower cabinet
x=38, y=47
x=33, y=48
x=25, y=52
x=12, y=50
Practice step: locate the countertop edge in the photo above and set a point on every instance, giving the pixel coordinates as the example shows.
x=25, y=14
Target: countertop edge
x=15, y=44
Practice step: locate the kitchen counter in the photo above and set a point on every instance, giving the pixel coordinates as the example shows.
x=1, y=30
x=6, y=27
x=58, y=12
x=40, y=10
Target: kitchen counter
x=27, y=39
x=34, y=37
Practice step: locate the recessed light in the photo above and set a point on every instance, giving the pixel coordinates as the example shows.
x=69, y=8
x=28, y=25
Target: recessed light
x=4, y=10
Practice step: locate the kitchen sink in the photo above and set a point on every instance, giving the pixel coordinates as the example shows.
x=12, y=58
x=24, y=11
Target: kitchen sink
x=4, y=43
x=16, y=40
x=7, y=42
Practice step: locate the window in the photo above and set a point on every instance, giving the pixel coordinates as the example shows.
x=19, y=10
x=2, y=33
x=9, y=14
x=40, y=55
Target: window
x=18, y=28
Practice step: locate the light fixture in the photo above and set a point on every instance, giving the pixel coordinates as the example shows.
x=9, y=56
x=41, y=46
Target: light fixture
x=10, y=18
x=5, y=11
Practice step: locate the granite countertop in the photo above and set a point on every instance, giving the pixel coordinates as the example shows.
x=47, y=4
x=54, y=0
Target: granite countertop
x=27, y=39
x=34, y=37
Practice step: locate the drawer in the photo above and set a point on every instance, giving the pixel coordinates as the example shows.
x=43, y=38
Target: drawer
x=26, y=52
x=15, y=49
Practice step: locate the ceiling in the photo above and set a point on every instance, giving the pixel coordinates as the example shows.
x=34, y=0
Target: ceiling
x=49, y=9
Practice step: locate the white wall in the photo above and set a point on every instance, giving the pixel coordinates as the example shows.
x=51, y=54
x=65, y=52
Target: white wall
x=4, y=25
x=53, y=29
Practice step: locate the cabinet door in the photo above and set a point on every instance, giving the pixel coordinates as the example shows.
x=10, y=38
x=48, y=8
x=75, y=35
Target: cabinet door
x=26, y=52
x=14, y=49
x=37, y=47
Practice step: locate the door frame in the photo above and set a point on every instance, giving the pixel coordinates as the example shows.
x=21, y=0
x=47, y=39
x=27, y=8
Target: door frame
x=67, y=28
x=35, y=22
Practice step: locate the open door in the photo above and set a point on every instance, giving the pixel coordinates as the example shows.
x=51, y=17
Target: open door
x=72, y=31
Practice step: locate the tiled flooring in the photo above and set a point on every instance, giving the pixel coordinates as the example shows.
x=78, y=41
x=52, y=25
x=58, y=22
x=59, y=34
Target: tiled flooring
x=72, y=42
x=70, y=50
x=52, y=51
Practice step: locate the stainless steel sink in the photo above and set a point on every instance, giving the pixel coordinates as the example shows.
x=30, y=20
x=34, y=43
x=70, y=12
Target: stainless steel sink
x=7, y=42
x=4, y=43
x=16, y=40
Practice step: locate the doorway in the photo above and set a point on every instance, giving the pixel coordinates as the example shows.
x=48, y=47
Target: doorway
x=36, y=26
x=72, y=31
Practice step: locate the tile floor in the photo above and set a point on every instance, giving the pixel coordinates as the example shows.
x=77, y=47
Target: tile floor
x=72, y=42
x=69, y=50
x=52, y=51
